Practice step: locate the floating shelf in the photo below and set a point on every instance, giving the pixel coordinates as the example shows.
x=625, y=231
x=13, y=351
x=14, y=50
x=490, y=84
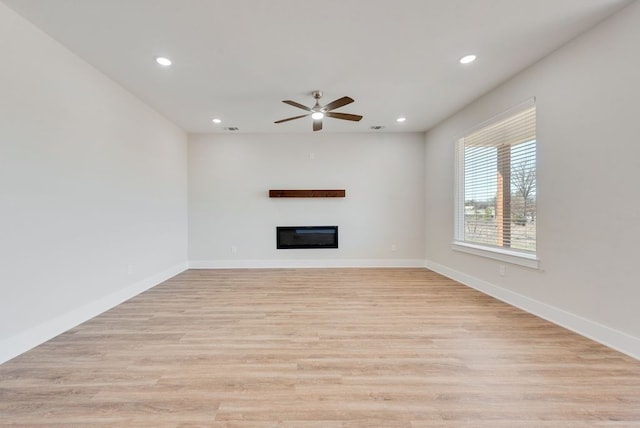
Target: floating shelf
x=315, y=193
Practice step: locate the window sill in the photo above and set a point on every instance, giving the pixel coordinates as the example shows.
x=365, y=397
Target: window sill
x=507, y=256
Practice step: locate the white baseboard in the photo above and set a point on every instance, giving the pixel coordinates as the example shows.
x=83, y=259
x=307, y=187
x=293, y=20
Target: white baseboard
x=607, y=336
x=22, y=342
x=284, y=264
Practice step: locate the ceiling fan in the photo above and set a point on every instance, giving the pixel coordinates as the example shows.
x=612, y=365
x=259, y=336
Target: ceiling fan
x=317, y=112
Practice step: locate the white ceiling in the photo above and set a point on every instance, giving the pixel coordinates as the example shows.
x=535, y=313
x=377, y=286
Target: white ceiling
x=238, y=59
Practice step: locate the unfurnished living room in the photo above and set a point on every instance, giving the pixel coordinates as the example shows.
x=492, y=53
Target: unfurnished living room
x=244, y=213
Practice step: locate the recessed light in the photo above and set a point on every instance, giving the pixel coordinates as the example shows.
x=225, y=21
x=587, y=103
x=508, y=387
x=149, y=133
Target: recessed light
x=401, y=119
x=467, y=59
x=166, y=62
x=216, y=120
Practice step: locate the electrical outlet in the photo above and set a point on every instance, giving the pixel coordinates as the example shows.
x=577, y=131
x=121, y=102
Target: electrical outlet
x=502, y=269
x=234, y=249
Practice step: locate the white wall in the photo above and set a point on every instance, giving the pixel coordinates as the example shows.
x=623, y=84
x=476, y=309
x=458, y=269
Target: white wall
x=588, y=175
x=93, y=195
x=230, y=176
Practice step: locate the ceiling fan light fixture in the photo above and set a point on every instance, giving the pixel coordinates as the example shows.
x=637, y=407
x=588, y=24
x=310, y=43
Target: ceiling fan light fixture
x=317, y=115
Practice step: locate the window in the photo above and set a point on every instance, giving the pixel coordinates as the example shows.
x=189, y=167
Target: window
x=496, y=188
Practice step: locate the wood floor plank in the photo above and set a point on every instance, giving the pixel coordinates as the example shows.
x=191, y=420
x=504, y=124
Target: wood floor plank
x=319, y=348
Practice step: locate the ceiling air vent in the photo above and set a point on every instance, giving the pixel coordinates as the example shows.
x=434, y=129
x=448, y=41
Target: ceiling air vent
x=231, y=128
x=377, y=127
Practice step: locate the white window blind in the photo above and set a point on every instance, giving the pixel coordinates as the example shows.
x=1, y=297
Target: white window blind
x=496, y=176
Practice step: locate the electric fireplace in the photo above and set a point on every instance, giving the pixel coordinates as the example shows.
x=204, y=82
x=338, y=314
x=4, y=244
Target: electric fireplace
x=293, y=237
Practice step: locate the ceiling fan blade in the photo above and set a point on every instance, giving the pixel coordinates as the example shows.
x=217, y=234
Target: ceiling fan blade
x=338, y=103
x=345, y=116
x=295, y=104
x=317, y=125
x=290, y=118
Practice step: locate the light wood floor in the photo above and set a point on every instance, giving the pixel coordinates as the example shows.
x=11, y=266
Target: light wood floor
x=319, y=348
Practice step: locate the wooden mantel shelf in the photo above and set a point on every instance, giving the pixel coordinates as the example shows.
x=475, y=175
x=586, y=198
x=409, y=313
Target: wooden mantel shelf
x=315, y=193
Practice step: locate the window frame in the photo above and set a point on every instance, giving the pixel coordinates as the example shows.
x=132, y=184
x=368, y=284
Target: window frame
x=504, y=254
